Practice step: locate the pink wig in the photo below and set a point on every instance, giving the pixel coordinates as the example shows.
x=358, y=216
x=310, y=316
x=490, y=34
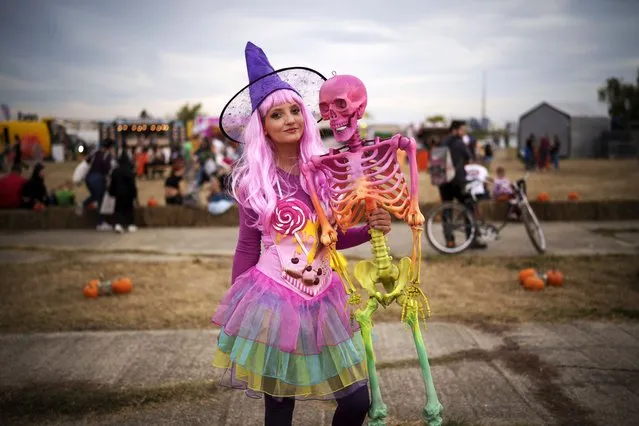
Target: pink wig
x=255, y=172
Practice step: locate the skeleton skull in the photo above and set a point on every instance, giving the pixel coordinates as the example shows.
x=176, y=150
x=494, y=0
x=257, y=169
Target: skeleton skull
x=343, y=101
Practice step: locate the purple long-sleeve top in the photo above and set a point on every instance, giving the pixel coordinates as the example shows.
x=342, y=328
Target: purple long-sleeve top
x=249, y=242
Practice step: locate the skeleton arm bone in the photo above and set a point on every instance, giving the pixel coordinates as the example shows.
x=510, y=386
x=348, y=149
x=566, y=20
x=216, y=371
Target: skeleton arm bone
x=408, y=145
x=329, y=236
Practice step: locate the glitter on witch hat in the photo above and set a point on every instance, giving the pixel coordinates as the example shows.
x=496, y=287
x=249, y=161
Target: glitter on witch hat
x=264, y=80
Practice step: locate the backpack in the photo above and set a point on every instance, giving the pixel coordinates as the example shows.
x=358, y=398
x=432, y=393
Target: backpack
x=441, y=168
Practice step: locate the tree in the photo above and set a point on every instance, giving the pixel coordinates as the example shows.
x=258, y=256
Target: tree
x=144, y=114
x=187, y=113
x=622, y=99
x=436, y=119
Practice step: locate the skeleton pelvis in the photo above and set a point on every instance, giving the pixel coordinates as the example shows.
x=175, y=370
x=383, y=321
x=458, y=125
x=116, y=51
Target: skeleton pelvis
x=368, y=275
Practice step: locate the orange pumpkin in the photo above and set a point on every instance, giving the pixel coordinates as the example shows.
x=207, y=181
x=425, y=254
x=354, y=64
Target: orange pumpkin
x=92, y=289
x=554, y=278
x=573, y=196
x=152, y=202
x=122, y=285
x=534, y=283
x=543, y=197
x=38, y=206
x=525, y=273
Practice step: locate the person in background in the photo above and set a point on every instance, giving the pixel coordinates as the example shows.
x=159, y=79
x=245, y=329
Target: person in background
x=125, y=192
x=502, y=187
x=35, y=191
x=472, y=147
x=141, y=158
x=529, y=152
x=554, y=152
x=456, y=188
x=175, y=186
x=11, y=188
x=544, y=153
x=488, y=155
x=17, y=152
x=96, y=180
x=503, y=191
x=477, y=177
x=218, y=202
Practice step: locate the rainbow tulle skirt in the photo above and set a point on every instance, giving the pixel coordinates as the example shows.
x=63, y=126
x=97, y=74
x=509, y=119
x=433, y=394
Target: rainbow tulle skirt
x=275, y=342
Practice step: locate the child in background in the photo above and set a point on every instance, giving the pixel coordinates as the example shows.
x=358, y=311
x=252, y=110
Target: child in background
x=503, y=191
x=502, y=187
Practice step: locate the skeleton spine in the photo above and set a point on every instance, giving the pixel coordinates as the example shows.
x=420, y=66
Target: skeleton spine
x=380, y=251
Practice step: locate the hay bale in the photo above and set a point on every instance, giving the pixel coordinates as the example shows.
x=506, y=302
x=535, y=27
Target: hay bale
x=180, y=216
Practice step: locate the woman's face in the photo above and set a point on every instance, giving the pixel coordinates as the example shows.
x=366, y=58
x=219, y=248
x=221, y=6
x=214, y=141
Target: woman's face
x=284, y=123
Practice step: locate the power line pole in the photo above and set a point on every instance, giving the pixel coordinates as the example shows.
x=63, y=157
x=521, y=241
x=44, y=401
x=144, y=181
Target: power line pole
x=483, y=97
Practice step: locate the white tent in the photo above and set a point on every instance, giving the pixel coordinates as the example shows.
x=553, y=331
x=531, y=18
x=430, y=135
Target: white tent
x=579, y=127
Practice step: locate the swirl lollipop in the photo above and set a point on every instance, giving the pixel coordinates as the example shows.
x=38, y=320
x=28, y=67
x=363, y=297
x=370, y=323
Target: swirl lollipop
x=290, y=216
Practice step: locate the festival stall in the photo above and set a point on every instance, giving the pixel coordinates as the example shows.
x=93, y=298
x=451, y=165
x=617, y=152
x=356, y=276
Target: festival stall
x=130, y=132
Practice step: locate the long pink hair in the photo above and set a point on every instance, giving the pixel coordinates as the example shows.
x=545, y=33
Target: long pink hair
x=254, y=175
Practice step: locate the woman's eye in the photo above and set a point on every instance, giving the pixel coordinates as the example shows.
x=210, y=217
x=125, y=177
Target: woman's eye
x=295, y=111
x=275, y=115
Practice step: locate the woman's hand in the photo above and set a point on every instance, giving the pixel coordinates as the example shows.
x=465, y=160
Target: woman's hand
x=380, y=219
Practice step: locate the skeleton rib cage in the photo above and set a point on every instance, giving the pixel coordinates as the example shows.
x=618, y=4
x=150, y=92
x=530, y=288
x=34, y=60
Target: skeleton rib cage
x=373, y=173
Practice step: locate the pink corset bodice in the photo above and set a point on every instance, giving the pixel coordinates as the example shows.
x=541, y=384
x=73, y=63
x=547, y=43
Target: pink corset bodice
x=293, y=255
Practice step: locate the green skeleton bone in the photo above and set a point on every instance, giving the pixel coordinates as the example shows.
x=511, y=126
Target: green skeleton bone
x=401, y=284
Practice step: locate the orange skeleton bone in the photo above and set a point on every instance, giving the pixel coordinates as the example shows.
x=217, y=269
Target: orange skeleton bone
x=361, y=177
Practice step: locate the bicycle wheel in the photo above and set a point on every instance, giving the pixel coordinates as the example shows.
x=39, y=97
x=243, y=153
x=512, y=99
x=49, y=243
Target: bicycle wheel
x=440, y=233
x=533, y=228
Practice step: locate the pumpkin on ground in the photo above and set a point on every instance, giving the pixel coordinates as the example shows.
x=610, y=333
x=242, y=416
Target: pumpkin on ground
x=525, y=273
x=122, y=285
x=573, y=196
x=534, y=283
x=92, y=290
x=543, y=197
x=555, y=278
x=152, y=202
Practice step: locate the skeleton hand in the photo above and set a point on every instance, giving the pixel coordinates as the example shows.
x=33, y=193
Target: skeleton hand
x=414, y=217
x=329, y=236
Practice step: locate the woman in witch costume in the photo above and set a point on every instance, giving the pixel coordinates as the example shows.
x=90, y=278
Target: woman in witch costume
x=284, y=330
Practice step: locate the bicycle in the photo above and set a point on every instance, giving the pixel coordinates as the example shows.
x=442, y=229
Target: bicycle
x=461, y=217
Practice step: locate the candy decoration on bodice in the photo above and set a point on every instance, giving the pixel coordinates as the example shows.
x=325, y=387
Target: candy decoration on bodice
x=291, y=215
x=362, y=176
x=294, y=219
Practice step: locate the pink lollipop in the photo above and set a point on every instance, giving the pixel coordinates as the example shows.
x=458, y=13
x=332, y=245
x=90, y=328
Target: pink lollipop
x=290, y=216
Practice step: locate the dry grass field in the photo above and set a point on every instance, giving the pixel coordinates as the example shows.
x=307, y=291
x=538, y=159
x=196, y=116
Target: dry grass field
x=47, y=296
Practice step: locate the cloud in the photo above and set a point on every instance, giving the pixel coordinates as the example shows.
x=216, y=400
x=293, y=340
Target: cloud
x=89, y=59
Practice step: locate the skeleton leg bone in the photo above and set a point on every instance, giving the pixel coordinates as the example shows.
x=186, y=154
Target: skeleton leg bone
x=378, y=411
x=431, y=413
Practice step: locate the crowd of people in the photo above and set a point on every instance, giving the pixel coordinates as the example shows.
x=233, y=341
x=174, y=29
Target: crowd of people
x=18, y=192
x=541, y=155
x=111, y=180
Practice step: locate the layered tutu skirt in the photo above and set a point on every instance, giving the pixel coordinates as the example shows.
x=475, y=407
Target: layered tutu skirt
x=274, y=341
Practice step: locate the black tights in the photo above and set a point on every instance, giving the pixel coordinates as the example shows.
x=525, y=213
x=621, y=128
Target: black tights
x=351, y=409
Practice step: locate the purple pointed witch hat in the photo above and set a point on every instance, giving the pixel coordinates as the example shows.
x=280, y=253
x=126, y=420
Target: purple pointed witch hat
x=264, y=80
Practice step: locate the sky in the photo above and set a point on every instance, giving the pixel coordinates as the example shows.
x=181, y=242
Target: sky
x=91, y=59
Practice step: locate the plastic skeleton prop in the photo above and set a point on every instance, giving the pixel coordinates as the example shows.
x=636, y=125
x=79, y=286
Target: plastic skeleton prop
x=361, y=176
